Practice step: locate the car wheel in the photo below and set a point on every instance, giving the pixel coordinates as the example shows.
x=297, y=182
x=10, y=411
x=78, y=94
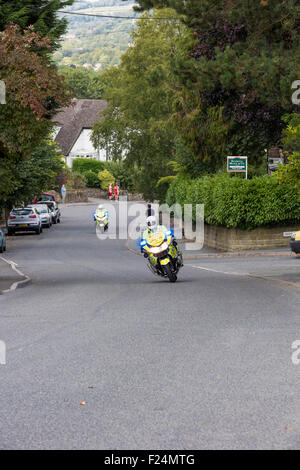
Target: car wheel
x=2, y=248
x=10, y=232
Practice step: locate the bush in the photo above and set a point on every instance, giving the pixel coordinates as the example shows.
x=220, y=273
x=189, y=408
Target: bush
x=121, y=174
x=76, y=180
x=106, y=178
x=92, y=180
x=90, y=169
x=239, y=203
x=82, y=165
x=178, y=190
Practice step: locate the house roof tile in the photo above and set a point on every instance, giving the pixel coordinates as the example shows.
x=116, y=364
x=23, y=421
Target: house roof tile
x=72, y=119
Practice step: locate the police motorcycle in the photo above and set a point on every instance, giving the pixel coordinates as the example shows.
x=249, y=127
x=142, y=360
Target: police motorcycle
x=161, y=250
x=101, y=218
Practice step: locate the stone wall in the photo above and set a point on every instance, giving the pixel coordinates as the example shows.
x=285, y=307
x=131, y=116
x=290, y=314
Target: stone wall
x=82, y=195
x=96, y=193
x=226, y=239
x=74, y=195
x=231, y=239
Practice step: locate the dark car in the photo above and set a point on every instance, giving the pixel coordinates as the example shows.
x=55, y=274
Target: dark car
x=2, y=240
x=44, y=198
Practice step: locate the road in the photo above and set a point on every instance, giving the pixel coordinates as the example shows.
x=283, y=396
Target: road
x=201, y=364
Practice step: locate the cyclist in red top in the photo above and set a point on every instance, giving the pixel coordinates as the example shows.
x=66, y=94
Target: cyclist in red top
x=116, y=192
x=110, y=191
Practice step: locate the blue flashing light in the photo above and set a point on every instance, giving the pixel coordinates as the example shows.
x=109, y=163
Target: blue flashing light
x=143, y=243
x=169, y=232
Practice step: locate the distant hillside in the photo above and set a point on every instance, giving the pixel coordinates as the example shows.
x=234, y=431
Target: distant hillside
x=96, y=42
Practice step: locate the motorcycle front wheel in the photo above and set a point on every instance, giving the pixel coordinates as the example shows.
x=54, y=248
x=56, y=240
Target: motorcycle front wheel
x=172, y=277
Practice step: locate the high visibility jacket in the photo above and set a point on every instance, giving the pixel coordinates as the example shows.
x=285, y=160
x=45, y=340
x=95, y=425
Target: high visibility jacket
x=158, y=228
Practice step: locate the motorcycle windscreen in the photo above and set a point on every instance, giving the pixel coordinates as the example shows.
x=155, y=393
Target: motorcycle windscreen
x=156, y=238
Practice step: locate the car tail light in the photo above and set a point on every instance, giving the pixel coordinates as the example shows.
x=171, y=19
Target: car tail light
x=12, y=216
x=33, y=216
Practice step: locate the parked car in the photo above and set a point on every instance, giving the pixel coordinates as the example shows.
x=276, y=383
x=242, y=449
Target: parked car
x=2, y=240
x=44, y=197
x=24, y=219
x=45, y=214
x=295, y=242
x=54, y=209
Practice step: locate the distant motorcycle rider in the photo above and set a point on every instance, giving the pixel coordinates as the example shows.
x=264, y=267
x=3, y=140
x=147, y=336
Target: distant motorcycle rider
x=100, y=210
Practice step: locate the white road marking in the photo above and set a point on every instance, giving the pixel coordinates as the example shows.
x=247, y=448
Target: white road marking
x=14, y=265
x=233, y=273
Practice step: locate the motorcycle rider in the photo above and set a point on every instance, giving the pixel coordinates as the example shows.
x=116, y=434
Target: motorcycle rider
x=152, y=227
x=99, y=211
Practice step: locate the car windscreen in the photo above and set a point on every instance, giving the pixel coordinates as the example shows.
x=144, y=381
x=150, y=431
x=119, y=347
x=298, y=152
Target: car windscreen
x=21, y=211
x=46, y=198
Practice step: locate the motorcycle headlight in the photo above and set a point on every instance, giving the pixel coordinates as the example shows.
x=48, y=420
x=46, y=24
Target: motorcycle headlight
x=155, y=250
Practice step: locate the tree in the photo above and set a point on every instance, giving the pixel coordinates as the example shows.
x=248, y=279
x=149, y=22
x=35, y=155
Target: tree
x=85, y=84
x=32, y=176
x=34, y=93
x=105, y=178
x=140, y=91
x=41, y=14
x=290, y=173
x=243, y=61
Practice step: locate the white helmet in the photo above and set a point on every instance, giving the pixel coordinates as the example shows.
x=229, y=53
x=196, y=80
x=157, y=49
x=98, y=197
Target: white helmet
x=151, y=222
x=100, y=206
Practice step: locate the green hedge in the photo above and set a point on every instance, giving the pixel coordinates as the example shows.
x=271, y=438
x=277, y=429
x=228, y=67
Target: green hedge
x=90, y=168
x=82, y=165
x=235, y=202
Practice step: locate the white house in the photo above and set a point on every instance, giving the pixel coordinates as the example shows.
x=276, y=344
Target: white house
x=74, y=127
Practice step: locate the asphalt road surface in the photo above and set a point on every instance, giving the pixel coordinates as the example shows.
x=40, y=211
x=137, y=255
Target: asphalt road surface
x=201, y=364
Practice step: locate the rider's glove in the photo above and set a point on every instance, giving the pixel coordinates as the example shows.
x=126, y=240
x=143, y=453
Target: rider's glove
x=145, y=255
x=174, y=242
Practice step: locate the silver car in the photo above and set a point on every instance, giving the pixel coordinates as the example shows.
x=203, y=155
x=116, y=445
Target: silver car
x=24, y=219
x=45, y=214
x=54, y=210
